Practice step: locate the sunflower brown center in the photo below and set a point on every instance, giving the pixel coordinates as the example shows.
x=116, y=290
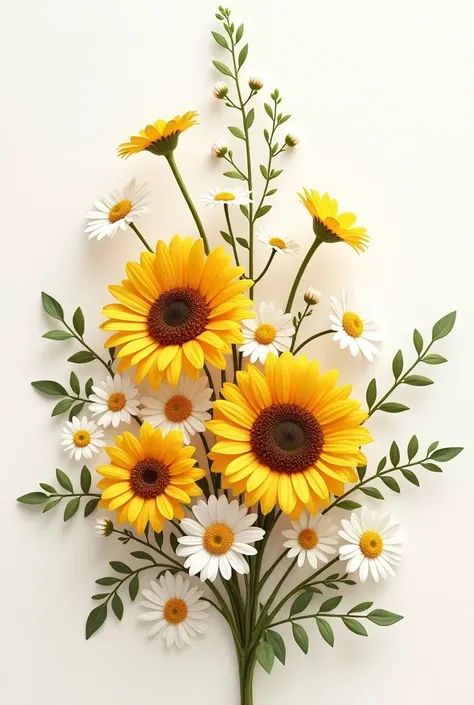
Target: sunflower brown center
x=277, y=242
x=308, y=539
x=178, y=315
x=120, y=210
x=178, y=408
x=371, y=544
x=81, y=438
x=287, y=438
x=149, y=478
x=218, y=539
x=175, y=610
x=116, y=401
x=352, y=324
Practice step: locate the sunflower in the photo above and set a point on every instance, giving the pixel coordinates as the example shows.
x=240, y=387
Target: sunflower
x=160, y=138
x=331, y=226
x=287, y=435
x=177, y=309
x=149, y=477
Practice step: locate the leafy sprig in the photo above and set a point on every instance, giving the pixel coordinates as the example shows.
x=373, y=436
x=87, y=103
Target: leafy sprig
x=50, y=497
x=72, y=401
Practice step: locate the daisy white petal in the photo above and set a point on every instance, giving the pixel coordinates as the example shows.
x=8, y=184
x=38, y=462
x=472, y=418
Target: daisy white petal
x=269, y=327
x=82, y=438
x=277, y=243
x=228, y=197
x=310, y=539
x=117, y=210
x=350, y=328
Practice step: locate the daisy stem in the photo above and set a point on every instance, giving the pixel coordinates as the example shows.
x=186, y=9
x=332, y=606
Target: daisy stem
x=270, y=154
x=231, y=161
x=297, y=327
x=231, y=234
x=211, y=382
x=140, y=236
x=227, y=616
x=313, y=616
x=179, y=180
x=316, y=243
x=265, y=269
x=312, y=337
x=270, y=570
x=146, y=543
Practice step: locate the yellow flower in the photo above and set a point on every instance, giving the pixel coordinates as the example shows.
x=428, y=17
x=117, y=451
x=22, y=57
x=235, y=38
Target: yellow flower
x=287, y=435
x=160, y=138
x=177, y=309
x=149, y=477
x=331, y=226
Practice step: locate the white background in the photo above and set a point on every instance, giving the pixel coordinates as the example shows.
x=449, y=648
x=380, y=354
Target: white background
x=381, y=97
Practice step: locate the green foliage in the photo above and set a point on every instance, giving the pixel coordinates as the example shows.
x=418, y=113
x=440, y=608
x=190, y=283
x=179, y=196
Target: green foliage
x=277, y=643
x=81, y=357
x=325, y=630
x=301, y=637
x=383, y=618
x=49, y=387
x=78, y=322
x=265, y=656
x=96, y=619
x=331, y=604
x=444, y=326
x=52, y=307
x=57, y=335
x=223, y=68
x=355, y=626
x=301, y=603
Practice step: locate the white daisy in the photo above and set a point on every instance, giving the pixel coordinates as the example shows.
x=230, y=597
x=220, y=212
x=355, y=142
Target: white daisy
x=218, y=540
x=221, y=197
x=269, y=332
x=104, y=527
x=277, y=243
x=115, y=401
x=181, y=408
x=355, y=331
x=81, y=438
x=312, y=296
x=373, y=543
x=117, y=210
x=311, y=538
x=176, y=609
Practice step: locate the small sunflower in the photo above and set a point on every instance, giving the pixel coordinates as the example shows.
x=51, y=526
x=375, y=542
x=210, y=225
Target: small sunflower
x=160, y=138
x=331, y=226
x=149, y=478
x=287, y=435
x=177, y=309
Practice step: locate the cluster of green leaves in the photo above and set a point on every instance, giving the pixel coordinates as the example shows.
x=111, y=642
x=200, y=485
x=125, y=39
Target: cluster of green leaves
x=50, y=497
x=71, y=401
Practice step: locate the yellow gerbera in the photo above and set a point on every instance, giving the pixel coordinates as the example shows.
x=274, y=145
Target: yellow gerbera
x=160, y=138
x=149, y=477
x=177, y=309
x=330, y=225
x=287, y=435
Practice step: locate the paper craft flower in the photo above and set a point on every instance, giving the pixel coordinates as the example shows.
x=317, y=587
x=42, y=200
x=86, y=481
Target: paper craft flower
x=355, y=331
x=229, y=197
x=270, y=332
x=114, y=400
x=311, y=539
x=181, y=408
x=161, y=138
x=331, y=226
x=116, y=211
x=278, y=244
x=218, y=540
x=220, y=90
x=287, y=435
x=373, y=543
x=104, y=527
x=177, y=309
x=81, y=438
x=176, y=609
x=149, y=478
x=312, y=296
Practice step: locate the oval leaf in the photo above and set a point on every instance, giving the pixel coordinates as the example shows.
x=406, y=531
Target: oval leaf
x=64, y=480
x=265, y=656
x=330, y=604
x=355, y=626
x=444, y=454
x=220, y=39
x=71, y=508
x=371, y=393
x=432, y=359
x=47, y=386
x=96, y=619
x=62, y=406
x=372, y=492
x=117, y=606
x=133, y=587
x=444, y=326
x=391, y=483
x=52, y=307
x=413, y=447
x=57, y=335
x=74, y=383
x=417, y=381
x=394, y=454
x=78, y=322
x=33, y=498
x=223, y=68
x=301, y=603
x=86, y=479
x=417, y=341
x=383, y=618
x=278, y=645
x=348, y=504
x=362, y=607
x=120, y=567
x=397, y=364
x=81, y=357
x=91, y=505
x=301, y=637
x=411, y=477
x=325, y=630
x=243, y=55
x=393, y=407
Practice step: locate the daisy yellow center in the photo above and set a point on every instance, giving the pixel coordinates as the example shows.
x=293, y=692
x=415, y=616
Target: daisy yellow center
x=224, y=196
x=265, y=334
x=353, y=324
x=178, y=408
x=116, y=401
x=81, y=438
x=120, y=210
x=175, y=610
x=277, y=242
x=308, y=539
x=218, y=539
x=371, y=544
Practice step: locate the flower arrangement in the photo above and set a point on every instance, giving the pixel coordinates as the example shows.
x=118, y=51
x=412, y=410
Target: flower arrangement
x=196, y=365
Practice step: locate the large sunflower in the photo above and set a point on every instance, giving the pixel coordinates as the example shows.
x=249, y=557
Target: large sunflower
x=287, y=435
x=330, y=225
x=177, y=309
x=149, y=477
x=160, y=138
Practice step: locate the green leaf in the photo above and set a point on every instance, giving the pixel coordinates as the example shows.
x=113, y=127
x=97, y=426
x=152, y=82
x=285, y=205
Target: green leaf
x=223, y=68
x=361, y=470
x=74, y=383
x=272, y=192
x=411, y=477
x=71, y=508
x=234, y=175
x=250, y=118
x=314, y=590
x=117, y=606
x=107, y=581
x=393, y=407
x=301, y=603
x=86, y=479
x=265, y=656
x=243, y=55
x=64, y=480
x=173, y=542
x=158, y=539
x=78, y=322
x=242, y=242
x=88, y=387
x=276, y=173
x=268, y=110
x=372, y=492
x=354, y=626
x=278, y=645
x=120, y=567
x=431, y=467
x=382, y=464
x=245, y=211
x=391, y=483
x=220, y=39
x=301, y=637
x=384, y=618
x=33, y=498
x=91, y=505
x=237, y=132
x=47, y=488
x=142, y=555
x=263, y=170
x=417, y=381
x=417, y=341
x=81, y=357
x=362, y=607
x=62, y=406
x=76, y=410
x=52, y=307
x=262, y=211
x=413, y=447
x=432, y=447
x=371, y=393
x=325, y=630
x=100, y=596
x=331, y=604
x=226, y=237
x=434, y=359
x=58, y=335
x=444, y=326
x=394, y=454
x=348, y=504
x=51, y=505
x=239, y=34
x=96, y=619
x=47, y=386
x=133, y=587
x=444, y=454
x=397, y=364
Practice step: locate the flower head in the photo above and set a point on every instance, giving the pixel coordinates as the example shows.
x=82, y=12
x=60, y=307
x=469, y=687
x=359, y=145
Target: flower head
x=116, y=211
x=230, y=197
x=114, y=401
x=312, y=296
x=219, y=149
x=355, y=331
x=311, y=539
x=81, y=438
x=270, y=331
x=104, y=527
x=291, y=140
x=218, y=540
x=331, y=226
x=373, y=544
x=160, y=138
x=255, y=83
x=176, y=609
x=220, y=90
x=277, y=243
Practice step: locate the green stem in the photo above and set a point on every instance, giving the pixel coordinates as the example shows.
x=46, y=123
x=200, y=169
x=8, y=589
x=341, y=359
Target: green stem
x=140, y=236
x=231, y=234
x=147, y=543
x=297, y=327
x=316, y=243
x=211, y=382
x=312, y=337
x=235, y=361
x=265, y=269
x=231, y=161
x=270, y=156
x=87, y=347
x=313, y=616
x=74, y=494
x=174, y=168
x=270, y=570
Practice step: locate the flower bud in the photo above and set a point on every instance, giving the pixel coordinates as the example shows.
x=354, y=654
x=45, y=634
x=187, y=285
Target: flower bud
x=255, y=83
x=219, y=149
x=104, y=527
x=312, y=296
x=291, y=140
x=220, y=90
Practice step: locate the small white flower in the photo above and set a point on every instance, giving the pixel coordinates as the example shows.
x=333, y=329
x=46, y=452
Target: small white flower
x=311, y=538
x=291, y=140
x=104, y=526
x=176, y=609
x=355, y=331
x=229, y=197
x=277, y=243
x=115, y=401
x=269, y=332
x=255, y=83
x=373, y=543
x=81, y=438
x=117, y=210
x=219, y=149
x=220, y=90
x=181, y=408
x=312, y=296
x=218, y=540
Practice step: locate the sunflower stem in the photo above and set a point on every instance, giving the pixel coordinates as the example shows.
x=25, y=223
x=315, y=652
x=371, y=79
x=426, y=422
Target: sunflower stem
x=312, y=337
x=316, y=243
x=140, y=236
x=265, y=269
